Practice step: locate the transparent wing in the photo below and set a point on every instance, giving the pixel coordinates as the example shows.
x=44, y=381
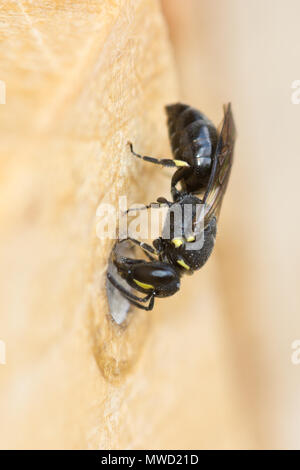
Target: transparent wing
x=222, y=164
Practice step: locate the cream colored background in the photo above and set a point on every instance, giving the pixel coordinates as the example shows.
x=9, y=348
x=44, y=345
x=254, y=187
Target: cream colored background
x=248, y=52
x=210, y=367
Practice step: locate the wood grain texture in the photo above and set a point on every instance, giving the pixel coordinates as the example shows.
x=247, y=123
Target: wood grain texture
x=81, y=78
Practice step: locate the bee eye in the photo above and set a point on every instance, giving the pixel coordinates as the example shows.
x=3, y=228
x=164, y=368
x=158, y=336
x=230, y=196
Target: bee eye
x=177, y=242
x=190, y=239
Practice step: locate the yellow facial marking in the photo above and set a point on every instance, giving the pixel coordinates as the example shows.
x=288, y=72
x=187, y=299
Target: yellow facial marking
x=143, y=285
x=190, y=239
x=177, y=242
x=183, y=264
x=181, y=163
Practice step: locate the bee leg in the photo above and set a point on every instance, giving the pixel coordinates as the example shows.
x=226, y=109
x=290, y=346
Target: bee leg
x=125, y=292
x=179, y=175
x=164, y=202
x=133, y=299
x=148, y=249
x=164, y=161
x=152, y=205
x=149, y=306
x=161, y=201
x=144, y=307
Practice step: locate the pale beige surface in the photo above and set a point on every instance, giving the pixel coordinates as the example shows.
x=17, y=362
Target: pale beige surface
x=210, y=367
x=248, y=52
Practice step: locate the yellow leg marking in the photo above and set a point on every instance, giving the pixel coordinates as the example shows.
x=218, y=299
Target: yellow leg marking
x=190, y=239
x=181, y=163
x=183, y=264
x=143, y=285
x=177, y=242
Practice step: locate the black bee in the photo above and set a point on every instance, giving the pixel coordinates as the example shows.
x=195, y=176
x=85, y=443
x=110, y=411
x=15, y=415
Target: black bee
x=152, y=278
x=204, y=158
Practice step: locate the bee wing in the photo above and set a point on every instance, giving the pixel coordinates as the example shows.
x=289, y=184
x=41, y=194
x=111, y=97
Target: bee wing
x=222, y=163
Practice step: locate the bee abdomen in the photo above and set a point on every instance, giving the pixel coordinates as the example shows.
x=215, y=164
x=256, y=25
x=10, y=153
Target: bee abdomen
x=191, y=133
